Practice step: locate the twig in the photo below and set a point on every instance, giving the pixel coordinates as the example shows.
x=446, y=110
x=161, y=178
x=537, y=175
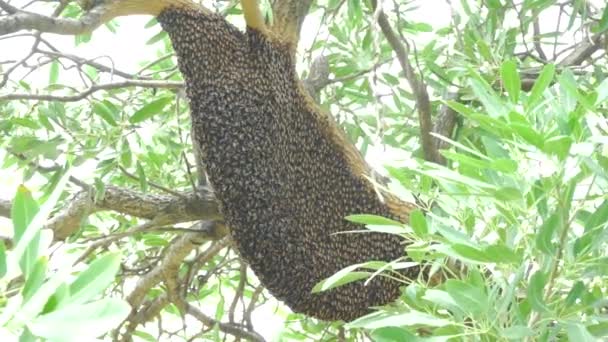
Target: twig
x=232, y=329
x=95, y=88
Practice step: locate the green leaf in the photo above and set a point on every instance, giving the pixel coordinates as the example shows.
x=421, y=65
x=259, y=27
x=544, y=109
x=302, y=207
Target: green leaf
x=126, y=155
x=75, y=322
x=3, y=261
x=33, y=228
x=469, y=298
x=157, y=37
x=602, y=92
x=354, y=10
x=342, y=277
x=219, y=309
x=96, y=278
x=23, y=211
x=535, y=291
x=151, y=23
x=392, y=334
x=558, y=145
x=599, y=329
x=54, y=72
x=510, y=79
x=577, y=332
x=150, y=109
x=105, y=113
x=517, y=332
x=544, y=237
x=568, y=84
x=471, y=253
x=381, y=319
x=491, y=102
x=500, y=253
x=373, y=220
x=443, y=300
x=141, y=175
x=542, y=83
x=507, y=194
x=599, y=218
x=529, y=134
x=603, y=24
x=39, y=298
x=35, y=279
x=504, y=165
x=575, y=293
x=418, y=223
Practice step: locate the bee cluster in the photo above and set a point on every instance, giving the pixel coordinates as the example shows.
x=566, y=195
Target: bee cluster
x=284, y=174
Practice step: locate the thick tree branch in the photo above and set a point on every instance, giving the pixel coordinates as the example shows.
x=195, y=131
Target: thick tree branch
x=444, y=126
x=8, y=8
x=163, y=210
x=173, y=257
x=97, y=13
x=167, y=269
x=289, y=16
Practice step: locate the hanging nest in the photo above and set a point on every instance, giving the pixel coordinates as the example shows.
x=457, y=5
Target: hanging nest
x=284, y=174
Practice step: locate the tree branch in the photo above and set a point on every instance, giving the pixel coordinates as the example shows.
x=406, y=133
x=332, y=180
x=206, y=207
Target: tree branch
x=24, y=20
x=5, y=208
x=163, y=210
x=418, y=87
x=289, y=16
x=167, y=268
x=232, y=329
x=93, y=89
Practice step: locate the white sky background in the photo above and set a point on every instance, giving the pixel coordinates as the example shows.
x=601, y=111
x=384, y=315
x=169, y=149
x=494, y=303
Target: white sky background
x=127, y=48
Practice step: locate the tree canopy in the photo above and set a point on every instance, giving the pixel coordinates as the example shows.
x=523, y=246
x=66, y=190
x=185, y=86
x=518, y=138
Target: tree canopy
x=493, y=121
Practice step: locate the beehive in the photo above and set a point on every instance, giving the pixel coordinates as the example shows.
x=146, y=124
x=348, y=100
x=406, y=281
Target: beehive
x=283, y=172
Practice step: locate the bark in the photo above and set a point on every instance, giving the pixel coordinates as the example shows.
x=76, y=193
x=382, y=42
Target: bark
x=289, y=16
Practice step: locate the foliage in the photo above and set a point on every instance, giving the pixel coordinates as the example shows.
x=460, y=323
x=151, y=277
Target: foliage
x=521, y=203
x=53, y=301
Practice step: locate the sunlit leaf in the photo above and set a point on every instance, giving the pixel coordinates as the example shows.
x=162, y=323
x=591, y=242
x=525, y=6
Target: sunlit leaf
x=510, y=79
x=97, y=277
x=73, y=322
x=536, y=287
x=542, y=82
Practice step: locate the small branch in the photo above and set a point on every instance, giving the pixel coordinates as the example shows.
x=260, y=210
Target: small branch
x=583, y=50
x=8, y=8
x=93, y=89
x=82, y=61
x=232, y=329
x=238, y=296
x=5, y=208
x=536, y=39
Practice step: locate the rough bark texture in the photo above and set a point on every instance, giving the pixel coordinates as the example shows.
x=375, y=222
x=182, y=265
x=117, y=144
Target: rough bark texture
x=283, y=172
